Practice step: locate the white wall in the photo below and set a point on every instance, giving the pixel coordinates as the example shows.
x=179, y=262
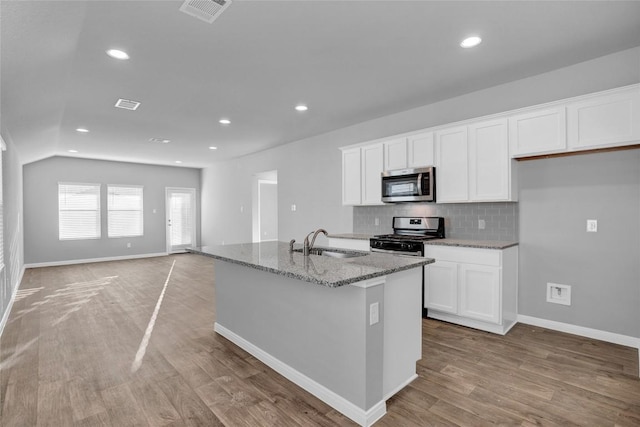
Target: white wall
x=12, y=224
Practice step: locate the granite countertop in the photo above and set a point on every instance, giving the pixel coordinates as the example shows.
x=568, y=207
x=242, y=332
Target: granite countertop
x=354, y=236
x=481, y=244
x=274, y=257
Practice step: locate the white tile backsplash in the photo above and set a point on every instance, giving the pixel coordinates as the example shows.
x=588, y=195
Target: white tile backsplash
x=461, y=219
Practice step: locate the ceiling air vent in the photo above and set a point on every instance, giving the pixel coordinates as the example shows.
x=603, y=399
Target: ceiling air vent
x=206, y=10
x=127, y=104
x=160, y=140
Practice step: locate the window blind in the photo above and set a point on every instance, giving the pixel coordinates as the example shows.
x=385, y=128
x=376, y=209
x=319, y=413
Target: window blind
x=125, y=211
x=78, y=211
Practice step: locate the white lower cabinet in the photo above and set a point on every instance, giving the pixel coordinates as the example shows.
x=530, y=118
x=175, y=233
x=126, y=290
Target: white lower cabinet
x=442, y=291
x=473, y=287
x=480, y=292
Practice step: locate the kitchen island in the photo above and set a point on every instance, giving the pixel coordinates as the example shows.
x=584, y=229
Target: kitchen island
x=347, y=330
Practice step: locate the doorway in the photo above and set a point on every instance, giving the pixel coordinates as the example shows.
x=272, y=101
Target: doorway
x=181, y=219
x=265, y=212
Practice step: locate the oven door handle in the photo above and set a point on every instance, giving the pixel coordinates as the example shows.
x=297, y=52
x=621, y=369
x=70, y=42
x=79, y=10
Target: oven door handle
x=391, y=252
x=419, y=184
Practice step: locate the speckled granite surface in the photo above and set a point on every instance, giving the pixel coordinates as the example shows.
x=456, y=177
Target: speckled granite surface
x=274, y=257
x=354, y=236
x=481, y=244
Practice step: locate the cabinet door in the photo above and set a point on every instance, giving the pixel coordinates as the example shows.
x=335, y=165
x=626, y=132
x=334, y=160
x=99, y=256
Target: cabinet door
x=351, y=177
x=441, y=286
x=395, y=154
x=538, y=132
x=480, y=292
x=452, y=165
x=606, y=120
x=489, y=162
x=420, y=150
x=372, y=164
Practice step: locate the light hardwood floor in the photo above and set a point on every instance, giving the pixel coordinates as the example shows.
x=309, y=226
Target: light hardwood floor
x=67, y=352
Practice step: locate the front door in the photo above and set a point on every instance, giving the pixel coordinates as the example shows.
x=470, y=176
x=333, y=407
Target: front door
x=181, y=219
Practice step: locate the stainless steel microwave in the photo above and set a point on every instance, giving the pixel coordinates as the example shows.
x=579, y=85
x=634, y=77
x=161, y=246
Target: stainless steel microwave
x=409, y=185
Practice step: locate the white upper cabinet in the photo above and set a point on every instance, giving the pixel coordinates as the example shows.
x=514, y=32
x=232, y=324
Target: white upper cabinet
x=372, y=166
x=351, y=176
x=361, y=175
x=420, y=150
x=489, y=162
x=452, y=173
x=474, y=160
x=538, y=132
x=604, y=120
x=395, y=154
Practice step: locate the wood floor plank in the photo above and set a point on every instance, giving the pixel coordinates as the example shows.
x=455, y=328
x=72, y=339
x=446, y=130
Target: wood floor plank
x=70, y=341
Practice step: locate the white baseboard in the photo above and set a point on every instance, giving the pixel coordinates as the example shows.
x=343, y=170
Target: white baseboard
x=339, y=403
x=581, y=331
x=5, y=317
x=89, y=260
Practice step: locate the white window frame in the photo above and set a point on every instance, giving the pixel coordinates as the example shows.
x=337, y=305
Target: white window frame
x=98, y=212
x=109, y=211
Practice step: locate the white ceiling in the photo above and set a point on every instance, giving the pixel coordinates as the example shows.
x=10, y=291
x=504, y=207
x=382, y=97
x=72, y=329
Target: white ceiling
x=350, y=61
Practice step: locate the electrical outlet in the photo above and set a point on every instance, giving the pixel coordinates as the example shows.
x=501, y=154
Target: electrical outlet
x=592, y=225
x=481, y=224
x=559, y=294
x=128, y=244
x=374, y=313
x=293, y=208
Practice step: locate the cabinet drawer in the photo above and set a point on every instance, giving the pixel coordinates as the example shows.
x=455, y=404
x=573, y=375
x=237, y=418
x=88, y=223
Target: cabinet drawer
x=490, y=257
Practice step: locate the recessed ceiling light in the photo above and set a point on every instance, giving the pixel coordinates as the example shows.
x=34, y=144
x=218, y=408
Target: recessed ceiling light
x=224, y=121
x=213, y=148
x=118, y=54
x=72, y=151
x=470, y=42
x=301, y=107
x=178, y=161
x=82, y=130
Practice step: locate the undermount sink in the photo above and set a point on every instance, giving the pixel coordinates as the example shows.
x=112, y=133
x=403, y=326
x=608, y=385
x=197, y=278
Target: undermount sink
x=333, y=253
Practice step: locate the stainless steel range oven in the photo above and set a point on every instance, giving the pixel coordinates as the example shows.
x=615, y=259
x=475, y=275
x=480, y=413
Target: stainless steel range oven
x=409, y=235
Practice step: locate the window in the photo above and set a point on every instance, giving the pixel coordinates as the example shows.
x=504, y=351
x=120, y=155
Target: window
x=78, y=211
x=124, y=204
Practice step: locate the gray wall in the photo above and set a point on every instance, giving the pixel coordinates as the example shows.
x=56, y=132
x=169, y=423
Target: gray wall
x=309, y=176
x=309, y=171
x=41, y=207
x=461, y=219
x=557, y=196
x=13, y=225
